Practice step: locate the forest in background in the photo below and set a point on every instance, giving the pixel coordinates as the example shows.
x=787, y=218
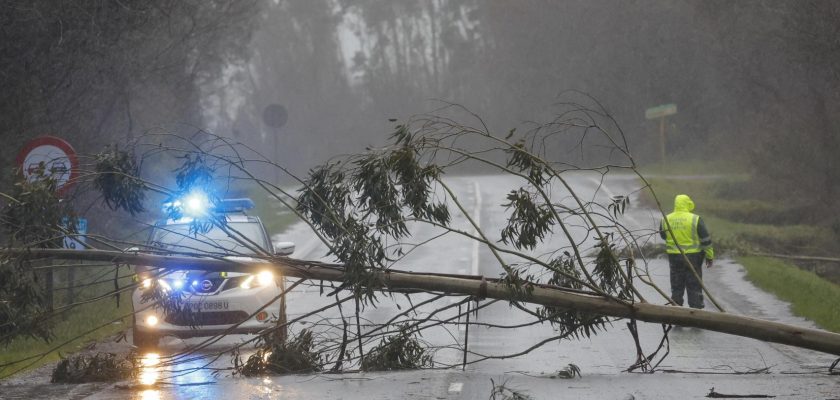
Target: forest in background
x=754, y=81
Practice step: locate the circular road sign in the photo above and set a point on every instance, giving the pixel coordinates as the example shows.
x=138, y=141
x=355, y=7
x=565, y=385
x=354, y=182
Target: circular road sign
x=275, y=115
x=57, y=157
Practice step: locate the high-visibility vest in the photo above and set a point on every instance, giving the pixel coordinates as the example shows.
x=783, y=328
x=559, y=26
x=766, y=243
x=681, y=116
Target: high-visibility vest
x=683, y=231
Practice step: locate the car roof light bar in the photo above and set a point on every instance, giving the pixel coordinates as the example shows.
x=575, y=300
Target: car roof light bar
x=235, y=205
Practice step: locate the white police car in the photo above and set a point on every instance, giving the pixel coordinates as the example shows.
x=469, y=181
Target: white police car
x=217, y=301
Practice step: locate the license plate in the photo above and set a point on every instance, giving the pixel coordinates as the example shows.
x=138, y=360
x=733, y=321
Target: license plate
x=208, y=306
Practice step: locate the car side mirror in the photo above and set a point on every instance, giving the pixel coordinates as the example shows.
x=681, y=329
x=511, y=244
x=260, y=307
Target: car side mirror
x=283, y=248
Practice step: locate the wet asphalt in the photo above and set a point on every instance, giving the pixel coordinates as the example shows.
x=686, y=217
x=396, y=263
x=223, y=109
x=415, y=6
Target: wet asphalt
x=698, y=361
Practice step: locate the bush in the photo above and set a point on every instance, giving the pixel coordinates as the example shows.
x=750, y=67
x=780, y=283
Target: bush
x=733, y=198
x=742, y=224
x=792, y=239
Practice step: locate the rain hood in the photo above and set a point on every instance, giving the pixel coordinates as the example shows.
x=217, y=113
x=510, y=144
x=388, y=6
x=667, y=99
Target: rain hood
x=683, y=203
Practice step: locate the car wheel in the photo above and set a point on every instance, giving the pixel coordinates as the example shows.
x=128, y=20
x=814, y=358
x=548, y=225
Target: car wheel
x=142, y=340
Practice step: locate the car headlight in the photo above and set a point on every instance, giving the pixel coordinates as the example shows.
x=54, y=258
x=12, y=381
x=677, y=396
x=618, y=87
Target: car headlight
x=263, y=278
x=165, y=285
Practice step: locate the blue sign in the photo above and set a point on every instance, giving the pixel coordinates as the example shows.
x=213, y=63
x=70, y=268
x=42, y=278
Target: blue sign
x=77, y=241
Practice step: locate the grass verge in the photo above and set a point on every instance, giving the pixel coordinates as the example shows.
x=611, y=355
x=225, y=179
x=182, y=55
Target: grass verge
x=809, y=295
x=741, y=225
x=72, y=326
x=692, y=168
x=275, y=216
x=744, y=225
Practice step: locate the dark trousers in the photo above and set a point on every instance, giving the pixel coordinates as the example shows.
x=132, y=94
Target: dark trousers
x=682, y=280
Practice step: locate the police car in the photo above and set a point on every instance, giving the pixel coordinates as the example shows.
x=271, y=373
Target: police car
x=215, y=302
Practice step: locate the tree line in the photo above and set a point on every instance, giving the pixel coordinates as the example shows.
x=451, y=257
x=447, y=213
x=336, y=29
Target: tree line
x=754, y=81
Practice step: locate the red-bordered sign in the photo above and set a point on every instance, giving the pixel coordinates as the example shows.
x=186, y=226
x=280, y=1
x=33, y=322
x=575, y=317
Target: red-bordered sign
x=57, y=157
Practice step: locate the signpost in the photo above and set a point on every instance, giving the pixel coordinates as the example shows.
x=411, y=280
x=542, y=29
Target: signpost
x=275, y=116
x=661, y=112
x=73, y=242
x=78, y=241
x=49, y=156
x=52, y=157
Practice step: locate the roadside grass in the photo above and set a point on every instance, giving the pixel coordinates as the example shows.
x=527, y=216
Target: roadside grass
x=72, y=326
x=275, y=216
x=692, y=168
x=742, y=226
x=809, y=295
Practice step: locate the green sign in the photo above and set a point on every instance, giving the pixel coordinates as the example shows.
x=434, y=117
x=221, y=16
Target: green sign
x=661, y=111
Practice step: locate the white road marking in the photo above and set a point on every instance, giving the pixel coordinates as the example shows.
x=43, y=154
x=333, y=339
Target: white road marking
x=477, y=219
x=603, y=187
x=456, y=387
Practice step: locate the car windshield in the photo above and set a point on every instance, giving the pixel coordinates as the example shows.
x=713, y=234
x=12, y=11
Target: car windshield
x=177, y=237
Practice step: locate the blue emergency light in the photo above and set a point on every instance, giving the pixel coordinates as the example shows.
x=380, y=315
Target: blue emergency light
x=197, y=204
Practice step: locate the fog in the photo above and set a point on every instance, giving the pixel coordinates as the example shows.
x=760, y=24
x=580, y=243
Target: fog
x=754, y=83
x=748, y=78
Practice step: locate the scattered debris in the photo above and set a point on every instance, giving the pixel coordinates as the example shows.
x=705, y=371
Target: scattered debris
x=715, y=395
x=502, y=392
x=567, y=373
x=765, y=370
x=100, y=367
x=400, y=351
x=647, y=250
x=294, y=356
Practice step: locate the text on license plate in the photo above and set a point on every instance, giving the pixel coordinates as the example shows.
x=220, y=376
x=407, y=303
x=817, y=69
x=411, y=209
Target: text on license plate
x=208, y=306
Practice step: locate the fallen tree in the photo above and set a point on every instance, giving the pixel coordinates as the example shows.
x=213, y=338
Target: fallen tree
x=568, y=253
x=481, y=288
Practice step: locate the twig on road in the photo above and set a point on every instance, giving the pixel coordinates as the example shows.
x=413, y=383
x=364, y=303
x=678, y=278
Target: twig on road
x=715, y=395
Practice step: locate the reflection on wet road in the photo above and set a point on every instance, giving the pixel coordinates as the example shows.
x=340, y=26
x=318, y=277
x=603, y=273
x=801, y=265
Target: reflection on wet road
x=601, y=358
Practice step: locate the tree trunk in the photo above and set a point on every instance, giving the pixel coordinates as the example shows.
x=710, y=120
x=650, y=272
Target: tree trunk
x=486, y=288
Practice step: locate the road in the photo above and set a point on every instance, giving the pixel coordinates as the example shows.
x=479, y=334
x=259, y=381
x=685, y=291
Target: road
x=698, y=360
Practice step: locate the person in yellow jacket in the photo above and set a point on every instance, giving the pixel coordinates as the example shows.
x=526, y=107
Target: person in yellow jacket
x=687, y=234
